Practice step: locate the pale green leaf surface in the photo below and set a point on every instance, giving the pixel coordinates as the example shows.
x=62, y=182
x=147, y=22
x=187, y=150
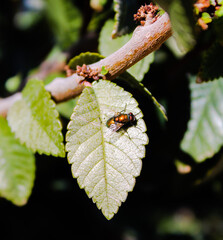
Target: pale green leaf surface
x=34, y=119
x=104, y=162
x=17, y=167
x=107, y=46
x=204, y=135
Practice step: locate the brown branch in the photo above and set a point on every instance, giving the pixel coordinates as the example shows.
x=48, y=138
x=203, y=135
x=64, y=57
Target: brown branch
x=144, y=41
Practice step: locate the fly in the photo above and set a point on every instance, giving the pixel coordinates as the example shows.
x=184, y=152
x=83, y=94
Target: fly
x=119, y=120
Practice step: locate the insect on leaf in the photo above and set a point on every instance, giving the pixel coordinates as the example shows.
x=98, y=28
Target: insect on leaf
x=105, y=162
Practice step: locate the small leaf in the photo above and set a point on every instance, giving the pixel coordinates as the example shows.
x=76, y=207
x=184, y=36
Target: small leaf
x=35, y=122
x=105, y=163
x=107, y=46
x=206, y=17
x=182, y=167
x=84, y=58
x=104, y=71
x=204, y=136
x=17, y=167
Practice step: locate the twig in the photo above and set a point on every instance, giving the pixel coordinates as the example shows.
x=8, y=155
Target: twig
x=145, y=40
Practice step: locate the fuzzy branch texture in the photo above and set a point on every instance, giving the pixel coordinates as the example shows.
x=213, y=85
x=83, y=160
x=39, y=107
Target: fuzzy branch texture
x=145, y=39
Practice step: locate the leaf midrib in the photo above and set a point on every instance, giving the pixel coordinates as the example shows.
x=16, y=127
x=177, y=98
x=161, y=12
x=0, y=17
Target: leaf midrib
x=103, y=147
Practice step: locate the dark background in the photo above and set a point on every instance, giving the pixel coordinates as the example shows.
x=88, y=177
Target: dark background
x=165, y=205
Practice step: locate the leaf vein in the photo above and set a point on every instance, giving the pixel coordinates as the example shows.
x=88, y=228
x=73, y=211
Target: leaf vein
x=121, y=173
x=124, y=153
x=91, y=170
x=94, y=149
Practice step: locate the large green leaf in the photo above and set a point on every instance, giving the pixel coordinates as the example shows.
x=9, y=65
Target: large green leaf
x=107, y=46
x=35, y=122
x=17, y=167
x=204, y=135
x=104, y=162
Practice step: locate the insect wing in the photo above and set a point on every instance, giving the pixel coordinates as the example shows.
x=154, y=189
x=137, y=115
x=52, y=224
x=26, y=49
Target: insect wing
x=116, y=126
x=112, y=134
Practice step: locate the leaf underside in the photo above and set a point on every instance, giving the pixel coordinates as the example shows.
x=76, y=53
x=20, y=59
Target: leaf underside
x=204, y=135
x=17, y=167
x=105, y=163
x=34, y=119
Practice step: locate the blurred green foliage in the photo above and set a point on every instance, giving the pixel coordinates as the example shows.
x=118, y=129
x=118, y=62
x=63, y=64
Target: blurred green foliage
x=65, y=20
x=30, y=30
